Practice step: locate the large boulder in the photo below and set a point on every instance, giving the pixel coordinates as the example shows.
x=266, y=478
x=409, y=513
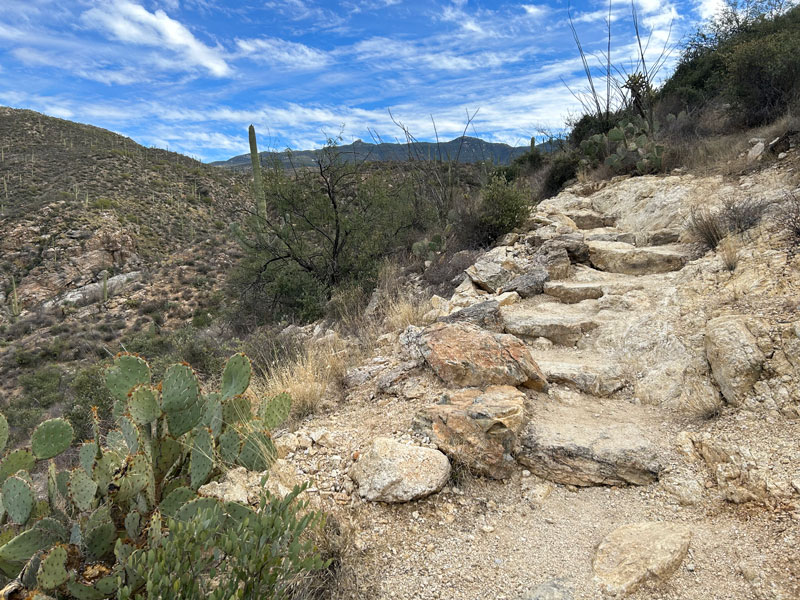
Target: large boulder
x=633, y=554
x=477, y=429
x=494, y=269
x=465, y=355
x=578, y=446
x=484, y=314
x=619, y=257
x=560, y=323
x=388, y=471
x=735, y=358
x=530, y=283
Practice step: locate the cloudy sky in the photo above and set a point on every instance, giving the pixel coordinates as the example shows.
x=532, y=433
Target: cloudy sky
x=191, y=75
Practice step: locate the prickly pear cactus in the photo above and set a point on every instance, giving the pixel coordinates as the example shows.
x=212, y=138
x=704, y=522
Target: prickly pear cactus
x=171, y=438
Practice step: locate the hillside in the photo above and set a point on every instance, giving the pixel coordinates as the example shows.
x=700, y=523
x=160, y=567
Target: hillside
x=471, y=150
x=79, y=206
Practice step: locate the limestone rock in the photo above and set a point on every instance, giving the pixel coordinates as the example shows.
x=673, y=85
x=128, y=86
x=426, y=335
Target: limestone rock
x=590, y=219
x=640, y=552
x=572, y=292
x=484, y=314
x=388, y=471
x=573, y=446
x=494, y=269
x=735, y=358
x=243, y=486
x=590, y=377
x=559, y=323
x=618, y=257
x=530, y=283
x=557, y=589
x=554, y=259
x=477, y=428
x=465, y=355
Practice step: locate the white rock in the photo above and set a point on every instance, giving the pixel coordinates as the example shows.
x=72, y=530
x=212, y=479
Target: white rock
x=389, y=471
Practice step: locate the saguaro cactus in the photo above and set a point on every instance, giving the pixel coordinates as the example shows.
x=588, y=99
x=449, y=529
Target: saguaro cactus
x=258, y=182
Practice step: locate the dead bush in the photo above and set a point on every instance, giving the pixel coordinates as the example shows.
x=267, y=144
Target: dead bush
x=789, y=218
x=735, y=216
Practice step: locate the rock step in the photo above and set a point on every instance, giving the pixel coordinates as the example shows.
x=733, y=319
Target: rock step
x=589, y=219
x=619, y=257
x=586, y=445
x=562, y=324
x=588, y=374
x=572, y=292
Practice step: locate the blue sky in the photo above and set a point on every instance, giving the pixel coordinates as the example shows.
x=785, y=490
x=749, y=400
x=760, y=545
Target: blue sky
x=191, y=75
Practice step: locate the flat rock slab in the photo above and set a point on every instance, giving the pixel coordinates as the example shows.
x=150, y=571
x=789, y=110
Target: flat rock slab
x=640, y=552
x=588, y=377
x=465, y=355
x=572, y=292
x=558, y=323
x=388, y=471
x=619, y=257
x=590, y=219
x=477, y=429
x=579, y=446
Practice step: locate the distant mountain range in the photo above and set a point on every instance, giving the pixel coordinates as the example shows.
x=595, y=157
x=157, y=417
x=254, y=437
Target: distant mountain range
x=465, y=150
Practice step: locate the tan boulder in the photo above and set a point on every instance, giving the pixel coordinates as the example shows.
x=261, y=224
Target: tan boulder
x=577, y=445
x=465, y=355
x=735, y=358
x=477, y=429
x=388, y=471
x=619, y=257
x=634, y=554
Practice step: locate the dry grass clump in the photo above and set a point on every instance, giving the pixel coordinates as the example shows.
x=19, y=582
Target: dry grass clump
x=729, y=252
x=701, y=401
x=735, y=216
x=789, y=218
x=306, y=376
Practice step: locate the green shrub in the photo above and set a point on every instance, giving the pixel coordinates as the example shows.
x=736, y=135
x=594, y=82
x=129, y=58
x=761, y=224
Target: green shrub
x=86, y=390
x=261, y=557
x=503, y=207
x=563, y=167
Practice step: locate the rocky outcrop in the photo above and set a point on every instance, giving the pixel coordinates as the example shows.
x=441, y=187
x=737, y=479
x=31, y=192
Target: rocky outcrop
x=93, y=292
x=465, y=355
x=477, y=429
x=619, y=257
x=388, y=471
x=531, y=283
x=640, y=552
x=494, y=269
x=571, y=292
x=735, y=357
x=559, y=323
x=576, y=446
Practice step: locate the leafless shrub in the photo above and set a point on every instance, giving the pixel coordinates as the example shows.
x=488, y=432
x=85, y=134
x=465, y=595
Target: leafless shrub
x=701, y=400
x=735, y=216
x=707, y=227
x=729, y=251
x=789, y=218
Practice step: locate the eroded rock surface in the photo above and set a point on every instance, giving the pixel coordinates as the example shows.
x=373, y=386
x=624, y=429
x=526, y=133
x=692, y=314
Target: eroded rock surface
x=478, y=429
x=466, y=355
x=388, y=471
x=640, y=552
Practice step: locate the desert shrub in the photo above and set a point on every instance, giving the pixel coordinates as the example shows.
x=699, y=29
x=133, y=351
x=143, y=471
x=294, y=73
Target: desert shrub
x=563, y=167
x=503, y=207
x=86, y=390
x=42, y=389
x=522, y=165
x=264, y=556
x=789, y=218
x=764, y=75
x=735, y=216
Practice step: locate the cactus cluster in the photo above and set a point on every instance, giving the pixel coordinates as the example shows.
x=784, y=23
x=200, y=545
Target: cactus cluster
x=171, y=438
x=626, y=148
x=427, y=249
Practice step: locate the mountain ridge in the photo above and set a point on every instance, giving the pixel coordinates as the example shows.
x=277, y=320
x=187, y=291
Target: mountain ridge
x=470, y=150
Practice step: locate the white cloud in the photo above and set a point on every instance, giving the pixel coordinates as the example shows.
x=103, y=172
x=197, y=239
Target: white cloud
x=536, y=10
x=710, y=8
x=133, y=24
x=275, y=51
